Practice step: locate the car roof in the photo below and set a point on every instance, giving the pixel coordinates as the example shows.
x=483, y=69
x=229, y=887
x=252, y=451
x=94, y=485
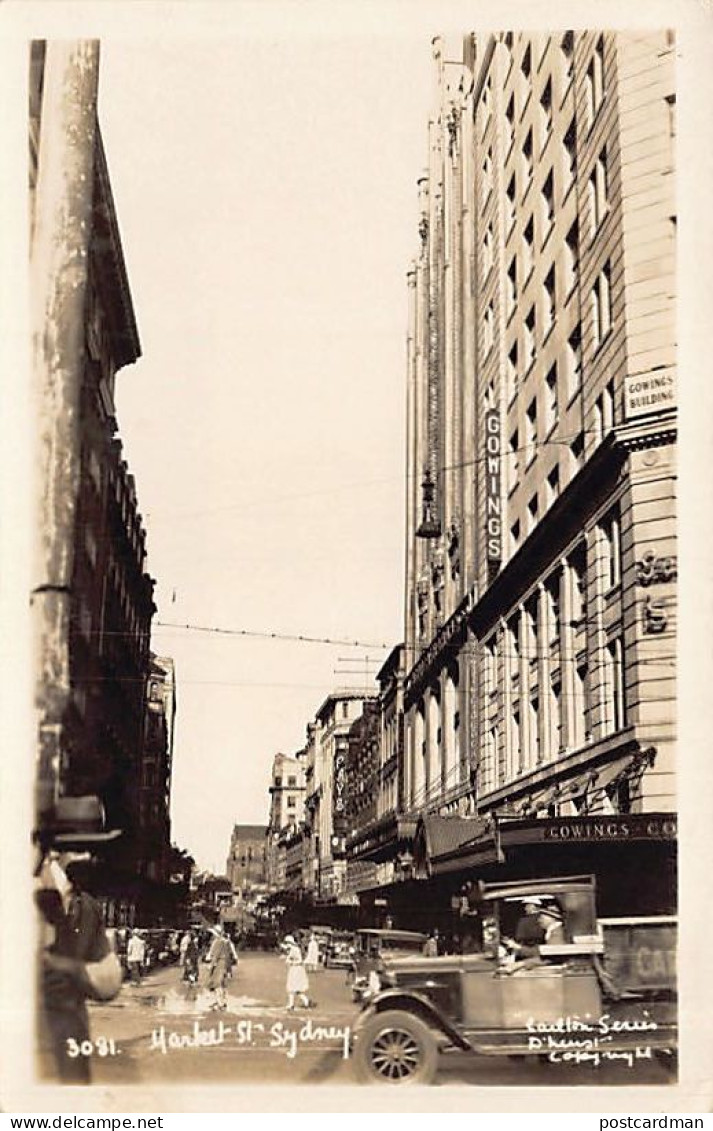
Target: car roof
x=395, y=936
x=551, y=886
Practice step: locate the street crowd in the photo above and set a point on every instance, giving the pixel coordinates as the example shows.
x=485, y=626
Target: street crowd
x=222, y=960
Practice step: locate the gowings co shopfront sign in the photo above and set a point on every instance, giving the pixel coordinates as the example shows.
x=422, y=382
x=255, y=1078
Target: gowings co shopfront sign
x=649, y=392
x=639, y=826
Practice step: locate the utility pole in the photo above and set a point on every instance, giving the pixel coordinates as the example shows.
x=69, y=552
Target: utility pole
x=59, y=269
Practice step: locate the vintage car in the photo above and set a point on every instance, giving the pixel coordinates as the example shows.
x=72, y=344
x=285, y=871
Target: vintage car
x=596, y=992
x=340, y=950
x=371, y=948
x=259, y=937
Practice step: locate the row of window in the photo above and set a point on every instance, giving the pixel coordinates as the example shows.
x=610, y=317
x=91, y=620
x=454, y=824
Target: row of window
x=537, y=728
x=594, y=96
x=524, y=79
x=595, y=87
x=523, y=349
x=518, y=274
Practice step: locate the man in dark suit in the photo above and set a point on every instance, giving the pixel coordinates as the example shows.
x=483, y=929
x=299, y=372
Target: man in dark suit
x=76, y=960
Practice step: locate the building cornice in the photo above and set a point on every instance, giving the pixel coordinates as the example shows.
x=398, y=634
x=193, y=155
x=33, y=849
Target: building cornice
x=113, y=277
x=648, y=431
x=341, y=697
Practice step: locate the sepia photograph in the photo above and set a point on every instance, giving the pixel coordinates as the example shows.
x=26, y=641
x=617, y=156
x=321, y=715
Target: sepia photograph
x=354, y=511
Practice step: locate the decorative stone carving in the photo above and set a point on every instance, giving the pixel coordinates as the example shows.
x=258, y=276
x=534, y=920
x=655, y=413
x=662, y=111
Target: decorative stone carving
x=422, y=594
x=652, y=569
x=655, y=619
x=438, y=579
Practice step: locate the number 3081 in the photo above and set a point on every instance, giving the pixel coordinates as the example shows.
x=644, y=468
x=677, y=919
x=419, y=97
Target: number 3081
x=102, y=1046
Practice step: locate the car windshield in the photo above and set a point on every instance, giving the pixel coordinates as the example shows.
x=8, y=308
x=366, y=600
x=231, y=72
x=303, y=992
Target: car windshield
x=402, y=944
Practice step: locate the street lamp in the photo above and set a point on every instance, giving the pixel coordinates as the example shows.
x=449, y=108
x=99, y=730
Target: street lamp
x=430, y=526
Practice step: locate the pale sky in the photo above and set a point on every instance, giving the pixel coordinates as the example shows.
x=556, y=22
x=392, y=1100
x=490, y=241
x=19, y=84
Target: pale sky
x=266, y=196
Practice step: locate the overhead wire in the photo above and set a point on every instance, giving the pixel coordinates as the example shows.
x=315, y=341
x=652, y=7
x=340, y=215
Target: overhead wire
x=299, y=638
x=506, y=454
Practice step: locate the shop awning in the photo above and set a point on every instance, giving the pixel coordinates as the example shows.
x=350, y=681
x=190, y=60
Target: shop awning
x=381, y=839
x=441, y=840
x=587, y=789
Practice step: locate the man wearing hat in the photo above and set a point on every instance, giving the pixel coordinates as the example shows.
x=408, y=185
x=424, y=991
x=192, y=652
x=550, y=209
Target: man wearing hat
x=541, y=924
x=221, y=958
x=529, y=932
x=552, y=923
x=76, y=958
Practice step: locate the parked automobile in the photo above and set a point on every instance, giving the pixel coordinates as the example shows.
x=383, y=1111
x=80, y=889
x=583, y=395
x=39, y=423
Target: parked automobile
x=259, y=938
x=159, y=951
x=597, y=990
x=372, y=947
x=340, y=950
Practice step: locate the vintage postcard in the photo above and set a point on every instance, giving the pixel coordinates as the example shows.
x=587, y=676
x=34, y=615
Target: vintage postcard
x=354, y=735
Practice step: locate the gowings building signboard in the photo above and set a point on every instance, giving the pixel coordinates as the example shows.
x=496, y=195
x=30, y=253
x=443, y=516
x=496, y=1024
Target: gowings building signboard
x=649, y=392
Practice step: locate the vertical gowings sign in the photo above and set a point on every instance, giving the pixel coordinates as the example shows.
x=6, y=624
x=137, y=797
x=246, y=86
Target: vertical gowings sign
x=493, y=482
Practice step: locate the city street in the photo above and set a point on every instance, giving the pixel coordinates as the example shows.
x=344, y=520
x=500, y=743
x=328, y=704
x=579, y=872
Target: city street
x=354, y=584
x=162, y=1032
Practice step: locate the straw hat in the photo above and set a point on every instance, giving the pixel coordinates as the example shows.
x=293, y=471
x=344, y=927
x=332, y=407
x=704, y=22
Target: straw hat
x=552, y=911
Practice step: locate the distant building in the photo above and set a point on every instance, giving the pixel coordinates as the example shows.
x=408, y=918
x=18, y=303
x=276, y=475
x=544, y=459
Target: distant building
x=363, y=788
x=246, y=867
x=380, y=842
x=154, y=829
x=326, y=788
x=287, y=790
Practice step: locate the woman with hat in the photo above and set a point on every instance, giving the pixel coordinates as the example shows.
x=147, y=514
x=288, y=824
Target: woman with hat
x=297, y=981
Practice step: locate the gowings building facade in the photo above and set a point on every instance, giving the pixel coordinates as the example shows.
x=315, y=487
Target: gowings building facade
x=540, y=623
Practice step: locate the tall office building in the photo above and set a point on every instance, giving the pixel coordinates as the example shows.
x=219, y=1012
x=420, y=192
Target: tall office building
x=541, y=537
x=287, y=788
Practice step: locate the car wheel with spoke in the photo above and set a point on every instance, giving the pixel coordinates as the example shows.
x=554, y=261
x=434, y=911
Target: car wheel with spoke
x=395, y=1047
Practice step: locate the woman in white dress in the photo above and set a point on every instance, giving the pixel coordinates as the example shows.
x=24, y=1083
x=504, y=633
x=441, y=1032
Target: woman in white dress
x=297, y=981
x=312, y=955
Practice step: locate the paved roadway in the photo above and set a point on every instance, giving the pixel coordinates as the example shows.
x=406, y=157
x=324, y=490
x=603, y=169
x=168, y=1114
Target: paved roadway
x=165, y=1033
